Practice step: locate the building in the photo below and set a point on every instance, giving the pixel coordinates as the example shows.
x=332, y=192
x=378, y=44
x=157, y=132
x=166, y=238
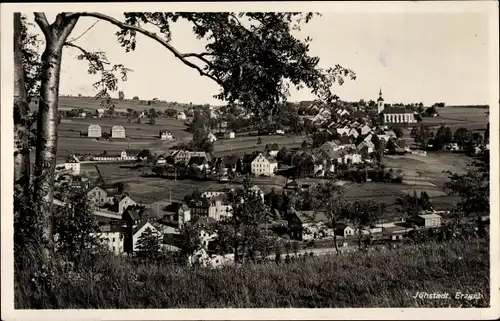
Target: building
x=215, y=208
x=426, y=220
x=113, y=236
x=263, y=166
x=97, y=196
x=181, y=116
x=229, y=163
x=365, y=130
x=394, y=115
x=365, y=147
x=272, y=149
x=211, y=138
x=94, y=131
x=72, y=165
x=307, y=225
x=199, y=162
x=165, y=135
x=100, y=112
x=137, y=232
x=394, y=233
x=118, y=131
x=229, y=135
x=344, y=230
x=121, y=202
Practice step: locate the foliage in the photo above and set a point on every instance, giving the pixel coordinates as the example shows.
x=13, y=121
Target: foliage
x=152, y=121
x=76, y=228
x=121, y=95
x=413, y=205
x=242, y=49
x=362, y=214
x=381, y=278
x=473, y=187
x=148, y=243
x=246, y=226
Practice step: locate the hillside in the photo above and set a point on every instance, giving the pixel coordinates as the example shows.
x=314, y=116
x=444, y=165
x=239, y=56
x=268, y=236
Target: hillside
x=374, y=279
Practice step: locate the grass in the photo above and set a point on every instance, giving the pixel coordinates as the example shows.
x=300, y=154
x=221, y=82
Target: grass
x=247, y=144
x=354, y=280
x=142, y=136
x=456, y=117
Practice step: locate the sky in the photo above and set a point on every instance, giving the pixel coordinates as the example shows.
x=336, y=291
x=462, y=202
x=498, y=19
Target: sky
x=412, y=57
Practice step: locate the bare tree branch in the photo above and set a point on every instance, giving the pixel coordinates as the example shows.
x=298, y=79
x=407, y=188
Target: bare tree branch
x=75, y=39
x=149, y=34
x=85, y=52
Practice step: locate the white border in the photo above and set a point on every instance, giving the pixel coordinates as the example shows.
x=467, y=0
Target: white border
x=8, y=313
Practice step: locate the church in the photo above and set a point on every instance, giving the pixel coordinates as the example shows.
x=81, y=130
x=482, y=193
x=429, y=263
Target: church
x=394, y=115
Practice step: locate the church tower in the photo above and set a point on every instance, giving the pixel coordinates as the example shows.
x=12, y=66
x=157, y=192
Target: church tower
x=380, y=102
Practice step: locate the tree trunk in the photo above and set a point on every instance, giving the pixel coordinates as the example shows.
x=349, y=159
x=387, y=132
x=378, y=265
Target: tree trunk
x=21, y=124
x=335, y=242
x=47, y=123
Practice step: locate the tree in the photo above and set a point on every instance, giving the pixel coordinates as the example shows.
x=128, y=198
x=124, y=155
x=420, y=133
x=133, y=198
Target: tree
x=329, y=199
x=148, y=243
x=462, y=136
x=304, y=144
x=399, y=132
x=443, y=136
x=247, y=224
x=146, y=153
x=283, y=153
x=121, y=95
x=362, y=214
x=152, y=121
x=76, y=229
x=259, y=140
x=241, y=69
x=473, y=187
x=431, y=111
x=135, y=98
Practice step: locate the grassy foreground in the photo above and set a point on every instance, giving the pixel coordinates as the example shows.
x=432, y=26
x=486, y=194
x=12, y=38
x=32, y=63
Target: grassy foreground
x=374, y=279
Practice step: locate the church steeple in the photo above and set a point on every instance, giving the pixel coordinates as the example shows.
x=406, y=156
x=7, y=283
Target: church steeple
x=380, y=102
x=380, y=95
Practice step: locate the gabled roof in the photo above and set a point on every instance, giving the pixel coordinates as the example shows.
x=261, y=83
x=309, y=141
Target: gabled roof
x=230, y=160
x=345, y=140
x=132, y=214
x=197, y=160
x=311, y=216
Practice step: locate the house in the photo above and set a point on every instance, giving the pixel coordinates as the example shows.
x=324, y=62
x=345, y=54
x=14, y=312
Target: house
x=349, y=156
x=426, y=220
x=343, y=130
x=181, y=116
x=182, y=157
x=394, y=233
x=365, y=147
x=229, y=163
x=263, y=166
x=199, y=162
x=257, y=191
x=100, y=112
x=342, y=112
x=121, y=202
x=365, y=129
x=173, y=216
x=211, y=138
x=214, y=192
x=165, y=135
x=397, y=146
x=137, y=231
x=229, y=135
x=94, y=131
x=394, y=115
x=72, y=165
x=353, y=133
x=118, y=131
x=344, y=230
x=329, y=151
x=113, y=236
x=307, y=225
x=161, y=160
x=280, y=132
x=215, y=208
x=97, y=196
x=272, y=149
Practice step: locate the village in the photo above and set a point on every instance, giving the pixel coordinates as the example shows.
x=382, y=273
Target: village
x=344, y=144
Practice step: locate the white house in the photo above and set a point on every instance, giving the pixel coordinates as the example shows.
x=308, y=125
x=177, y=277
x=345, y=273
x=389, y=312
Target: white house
x=118, y=131
x=211, y=138
x=353, y=132
x=100, y=112
x=342, y=112
x=263, y=166
x=229, y=135
x=122, y=202
x=344, y=130
x=94, y=131
x=72, y=164
x=161, y=160
x=166, y=135
x=181, y=116
x=365, y=130
x=112, y=236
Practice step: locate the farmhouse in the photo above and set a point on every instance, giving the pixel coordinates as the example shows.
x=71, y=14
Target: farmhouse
x=72, y=165
x=230, y=162
x=165, y=135
x=263, y=166
x=113, y=236
x=97, y=196
x=118, y=131
x=394, y=115
x=307, y=225
x=344, y=230
x=426, y=220
x=94, y=131
x=181, y=116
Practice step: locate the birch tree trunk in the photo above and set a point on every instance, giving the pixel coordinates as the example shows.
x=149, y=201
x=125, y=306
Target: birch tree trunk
x=21, y=124
x=47, y=123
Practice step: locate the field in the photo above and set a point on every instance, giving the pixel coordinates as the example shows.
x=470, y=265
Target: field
x=352, y=280
x=247, y=144
x=456, y=117
x=91, y=104
x=141, y=136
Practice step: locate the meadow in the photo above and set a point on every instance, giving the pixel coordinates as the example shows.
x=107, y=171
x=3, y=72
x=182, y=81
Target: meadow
x=456, y=117
x=247, y=144
x=375, y=279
